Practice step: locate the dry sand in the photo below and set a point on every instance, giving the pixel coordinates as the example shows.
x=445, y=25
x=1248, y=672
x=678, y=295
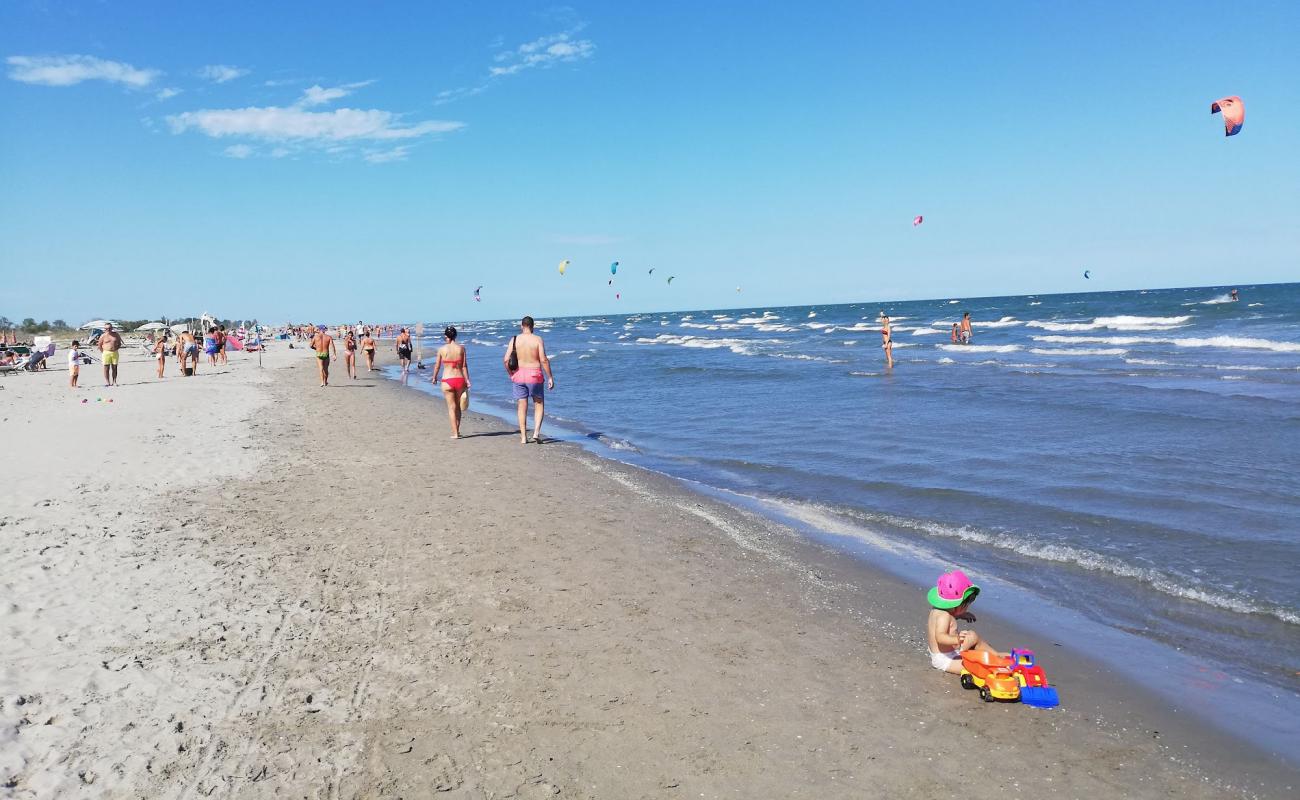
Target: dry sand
x=242, y=585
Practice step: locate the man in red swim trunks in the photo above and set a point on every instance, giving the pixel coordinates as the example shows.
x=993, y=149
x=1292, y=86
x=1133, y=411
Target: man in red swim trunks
x=527, y=378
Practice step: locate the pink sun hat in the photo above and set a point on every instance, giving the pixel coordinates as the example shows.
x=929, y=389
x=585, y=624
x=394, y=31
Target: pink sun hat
x=952, y=589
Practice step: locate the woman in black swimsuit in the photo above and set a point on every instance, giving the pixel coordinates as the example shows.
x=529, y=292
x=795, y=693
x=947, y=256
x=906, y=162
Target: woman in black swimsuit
x=887, y=339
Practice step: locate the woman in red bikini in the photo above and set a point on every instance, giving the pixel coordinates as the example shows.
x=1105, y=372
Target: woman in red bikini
x=455, y=377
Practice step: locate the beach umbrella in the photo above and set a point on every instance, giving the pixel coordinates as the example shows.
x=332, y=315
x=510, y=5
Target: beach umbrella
x=99, y=323
x=151, y=326
x=180, y=327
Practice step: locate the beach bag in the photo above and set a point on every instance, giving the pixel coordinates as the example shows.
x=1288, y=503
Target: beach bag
x=512, y=363
x=464, y=401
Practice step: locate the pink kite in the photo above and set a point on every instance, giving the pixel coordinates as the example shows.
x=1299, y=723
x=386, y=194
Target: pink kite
x=917, y=220
x=1234, y=114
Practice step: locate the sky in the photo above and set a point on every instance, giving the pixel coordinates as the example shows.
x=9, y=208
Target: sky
x=331, y=161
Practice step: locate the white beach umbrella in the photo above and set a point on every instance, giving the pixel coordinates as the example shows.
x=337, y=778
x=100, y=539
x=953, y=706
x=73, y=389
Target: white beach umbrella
x=151, y=326
x=180, y=327
x=99, y=323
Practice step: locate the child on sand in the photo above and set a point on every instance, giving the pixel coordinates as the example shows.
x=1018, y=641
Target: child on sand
x=950, y=600
x=74, y=365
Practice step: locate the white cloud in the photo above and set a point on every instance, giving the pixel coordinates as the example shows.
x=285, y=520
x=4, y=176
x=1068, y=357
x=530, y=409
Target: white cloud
x=73, y=69
x=385, y=156
x=168, y=93
x=318, y=95
x=277, y=124
x=545, y=51
x=221, y=73
x=238, y=151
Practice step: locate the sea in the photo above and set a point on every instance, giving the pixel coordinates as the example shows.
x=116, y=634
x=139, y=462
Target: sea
x=1116, y=468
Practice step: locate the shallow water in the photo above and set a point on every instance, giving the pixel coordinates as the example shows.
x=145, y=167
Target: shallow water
x=1134, y=456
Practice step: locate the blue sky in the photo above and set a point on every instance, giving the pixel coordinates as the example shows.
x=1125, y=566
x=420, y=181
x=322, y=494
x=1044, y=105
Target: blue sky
x=332, y=161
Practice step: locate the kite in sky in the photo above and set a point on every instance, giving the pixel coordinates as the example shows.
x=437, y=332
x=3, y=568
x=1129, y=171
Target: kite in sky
x=478, y=299
x=1234, y=114
x=564, y=265
x=917, y=220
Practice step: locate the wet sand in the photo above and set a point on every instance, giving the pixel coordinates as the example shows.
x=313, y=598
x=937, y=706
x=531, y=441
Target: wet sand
x=290, y=590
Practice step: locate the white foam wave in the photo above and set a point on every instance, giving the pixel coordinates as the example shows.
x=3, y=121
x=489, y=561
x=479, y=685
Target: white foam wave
x=1254, y=305
x=1082, y=351
x=850, y=341
x=953, y=302
x=1148, y=362
x=775, y=328
x=816, y=325
x=924, y=331
x=1217, y=300
x=812, y=314
x=1225, y=342
x=1120, y=323
x=946, y=360
x=980, y=348
x=699, y=325
x=1005, y=322
x=1034, y=548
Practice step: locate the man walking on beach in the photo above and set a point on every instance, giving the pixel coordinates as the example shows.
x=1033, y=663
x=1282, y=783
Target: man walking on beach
x=323, y=344
x=525, y=362
x=110, y=342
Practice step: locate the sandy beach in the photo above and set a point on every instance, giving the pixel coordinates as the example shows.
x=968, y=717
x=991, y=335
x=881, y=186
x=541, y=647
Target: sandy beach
x=242, y=585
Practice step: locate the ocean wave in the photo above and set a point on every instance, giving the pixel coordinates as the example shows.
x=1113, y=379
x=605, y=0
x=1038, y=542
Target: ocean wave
x=1226, y=342
x=1147, y=362
x=1005, y=322
x=946, y=360
x=775, y=328
x=1034, y=548
x=980, y=348
x=848, y=342
x=924, y=331
x=1119, y=323
x=1217, y=300
x=1254, y=305
x=1082, y=351
x=699, y=325
x=1239, y=342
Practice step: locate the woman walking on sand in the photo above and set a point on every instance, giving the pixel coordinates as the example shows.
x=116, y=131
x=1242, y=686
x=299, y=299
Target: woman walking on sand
x=887, y=339
x=404, y=350
x=350, y=353
x=368, y=347
x=452, y=362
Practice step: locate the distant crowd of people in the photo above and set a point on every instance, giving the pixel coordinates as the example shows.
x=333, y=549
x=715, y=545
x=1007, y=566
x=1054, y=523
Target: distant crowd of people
x=525, y=362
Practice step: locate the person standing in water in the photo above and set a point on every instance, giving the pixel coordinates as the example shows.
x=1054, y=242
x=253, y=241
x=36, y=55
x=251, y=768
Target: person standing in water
x=1234, y=296
x=525, y=363
x=454, y=365
x=404, y=350
x=887, y=339
x=323, y=344
x=965, y=327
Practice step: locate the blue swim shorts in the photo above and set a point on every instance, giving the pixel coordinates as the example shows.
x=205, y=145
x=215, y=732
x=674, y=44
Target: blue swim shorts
x=523, y=391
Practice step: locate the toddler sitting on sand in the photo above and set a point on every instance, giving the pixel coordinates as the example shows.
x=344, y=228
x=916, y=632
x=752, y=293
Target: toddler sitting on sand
x=950, y=600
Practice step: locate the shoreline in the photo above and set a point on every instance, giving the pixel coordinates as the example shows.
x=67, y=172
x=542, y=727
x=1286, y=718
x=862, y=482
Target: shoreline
x=395, y=618
x=1151, y=672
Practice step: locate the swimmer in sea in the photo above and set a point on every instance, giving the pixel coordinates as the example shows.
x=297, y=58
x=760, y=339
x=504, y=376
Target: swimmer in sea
x=887, y=339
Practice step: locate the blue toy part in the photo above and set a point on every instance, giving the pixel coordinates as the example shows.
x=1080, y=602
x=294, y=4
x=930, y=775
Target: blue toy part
x=1040, y=696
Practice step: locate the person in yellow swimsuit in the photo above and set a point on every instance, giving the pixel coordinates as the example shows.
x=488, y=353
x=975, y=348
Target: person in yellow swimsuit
x=110, y=342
